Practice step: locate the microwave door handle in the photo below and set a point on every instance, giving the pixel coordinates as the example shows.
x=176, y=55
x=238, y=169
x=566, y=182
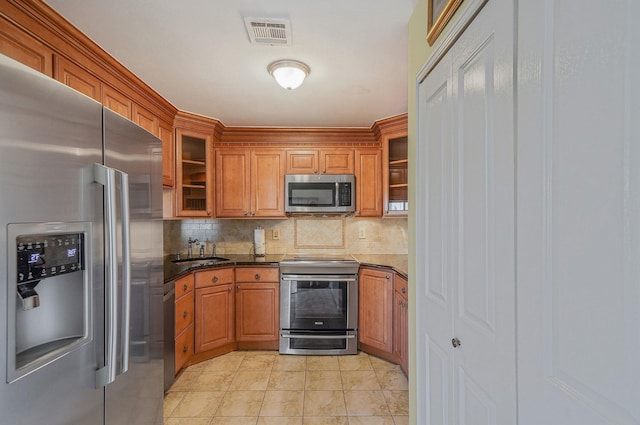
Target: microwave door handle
x=106, y=177
x=122, y=181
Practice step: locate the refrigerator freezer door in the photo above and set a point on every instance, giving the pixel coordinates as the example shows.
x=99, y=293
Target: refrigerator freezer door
x=136, y=396
x=50, y=136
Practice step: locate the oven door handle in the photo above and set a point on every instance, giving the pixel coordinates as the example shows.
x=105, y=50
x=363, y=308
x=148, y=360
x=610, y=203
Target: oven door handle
x=319, y=277
x=283, y=335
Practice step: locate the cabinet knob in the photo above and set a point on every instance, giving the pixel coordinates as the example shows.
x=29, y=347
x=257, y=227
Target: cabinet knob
x=257, y=276
x=208, y=212
x=315, y=171
x=246, y=213
x=185, y=349
x=324, y=171
x=388, y=276
x=456, y=342
x=404, y=290
x=214, y=279
x=185, y=287
x=230, y=288
x=253, y=213
x=185, y=314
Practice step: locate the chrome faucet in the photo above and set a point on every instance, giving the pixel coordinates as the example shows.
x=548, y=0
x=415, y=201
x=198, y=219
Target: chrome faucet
x=190, y=244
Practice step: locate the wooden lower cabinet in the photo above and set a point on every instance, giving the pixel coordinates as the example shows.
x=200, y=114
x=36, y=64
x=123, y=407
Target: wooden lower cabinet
x=183, y=321
x=257, y=305
x=401, y=322
x=214, y=317
x=375, y=313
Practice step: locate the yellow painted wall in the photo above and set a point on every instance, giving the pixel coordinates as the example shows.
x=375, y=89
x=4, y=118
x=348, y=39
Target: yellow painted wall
x=419, y=52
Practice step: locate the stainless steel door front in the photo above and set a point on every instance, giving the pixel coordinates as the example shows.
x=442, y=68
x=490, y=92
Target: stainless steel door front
x=136, y=396
x=50, y=136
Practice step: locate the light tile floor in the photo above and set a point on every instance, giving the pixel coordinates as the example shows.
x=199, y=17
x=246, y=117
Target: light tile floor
x=265, y=388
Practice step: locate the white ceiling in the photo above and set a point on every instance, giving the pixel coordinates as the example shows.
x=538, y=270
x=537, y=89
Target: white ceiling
x=197, y=54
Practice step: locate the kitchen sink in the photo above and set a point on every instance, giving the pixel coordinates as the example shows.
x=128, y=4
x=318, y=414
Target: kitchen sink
x=200, y=261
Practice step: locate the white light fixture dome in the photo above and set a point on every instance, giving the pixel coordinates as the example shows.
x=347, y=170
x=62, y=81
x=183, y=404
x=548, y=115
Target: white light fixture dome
x=289, y=73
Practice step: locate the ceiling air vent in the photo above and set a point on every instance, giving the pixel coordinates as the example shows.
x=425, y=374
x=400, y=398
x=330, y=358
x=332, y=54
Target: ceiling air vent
x=267, y=31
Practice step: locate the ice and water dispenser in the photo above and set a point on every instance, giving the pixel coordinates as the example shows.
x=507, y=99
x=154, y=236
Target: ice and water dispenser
x=51, y=312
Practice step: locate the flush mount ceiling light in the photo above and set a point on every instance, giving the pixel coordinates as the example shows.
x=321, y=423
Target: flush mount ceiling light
x=289, y=73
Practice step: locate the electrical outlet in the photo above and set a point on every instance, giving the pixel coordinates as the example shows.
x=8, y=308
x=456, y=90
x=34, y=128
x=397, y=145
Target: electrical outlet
x=276, y=234
x=362, y=234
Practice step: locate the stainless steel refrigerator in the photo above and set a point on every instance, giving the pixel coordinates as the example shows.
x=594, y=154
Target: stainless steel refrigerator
x=80, y=259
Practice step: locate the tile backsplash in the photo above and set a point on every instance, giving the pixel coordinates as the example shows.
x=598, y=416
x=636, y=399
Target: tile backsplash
x=314, y=235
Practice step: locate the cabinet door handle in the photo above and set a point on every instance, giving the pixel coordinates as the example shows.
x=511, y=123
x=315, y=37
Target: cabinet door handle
x=208, y=212
x=404, y=290
x=214, y=279
x=324, y=171
x=388, y=276
x=185, y=287
x=230, y=288
x=184, y=349
x=456, y=342
x=246, y=213
x=257, y=276
x=185, y=314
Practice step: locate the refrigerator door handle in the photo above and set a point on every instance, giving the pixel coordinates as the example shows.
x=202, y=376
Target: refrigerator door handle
x=107, y=177
x=122, y=180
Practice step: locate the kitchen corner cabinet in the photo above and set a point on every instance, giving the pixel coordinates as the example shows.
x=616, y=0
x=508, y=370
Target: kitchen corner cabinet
x=323, y=161
x=214, y=317
x=375, y=312
x=183, y=322
x=257, y=304
x=194, y=175
x=401, y=322
x=249, y=183
x=368, y=182
x=395, y=174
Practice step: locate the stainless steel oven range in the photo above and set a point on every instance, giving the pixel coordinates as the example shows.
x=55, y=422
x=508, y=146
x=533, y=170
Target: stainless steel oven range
x=319, y=305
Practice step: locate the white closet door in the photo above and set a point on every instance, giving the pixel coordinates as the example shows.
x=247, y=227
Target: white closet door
x=579, y=212
x=466, y=241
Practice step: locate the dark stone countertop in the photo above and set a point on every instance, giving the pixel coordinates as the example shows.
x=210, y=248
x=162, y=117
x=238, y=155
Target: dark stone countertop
x=399, y=263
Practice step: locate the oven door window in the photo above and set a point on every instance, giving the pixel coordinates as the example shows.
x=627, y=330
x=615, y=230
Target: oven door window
x=318, y=305
x=312, y=194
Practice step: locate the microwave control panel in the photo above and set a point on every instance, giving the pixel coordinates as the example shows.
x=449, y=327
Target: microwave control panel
x=344, y=194
x=46, y=255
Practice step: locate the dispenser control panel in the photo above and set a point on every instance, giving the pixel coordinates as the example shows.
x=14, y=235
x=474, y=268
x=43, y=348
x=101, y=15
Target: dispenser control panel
x=47, y=255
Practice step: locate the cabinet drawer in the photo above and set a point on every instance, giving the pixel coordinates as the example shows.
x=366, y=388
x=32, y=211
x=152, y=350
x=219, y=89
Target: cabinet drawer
x=184, y=285
x=214, y=277
x=401, y=286
x=184, y=313
x=184, y=347
x=257, y=274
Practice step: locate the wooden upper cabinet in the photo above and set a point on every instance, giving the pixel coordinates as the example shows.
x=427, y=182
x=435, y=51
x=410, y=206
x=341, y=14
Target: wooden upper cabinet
x=117, y=102
x=267, y=183
x=17, y=45
x=77, y=78
x=249, y=183
x=336, y=161
x=369, y=182
x=165, y=133
x=232, y=183
x=145, y=119
x=323, y=161
x=194, y=174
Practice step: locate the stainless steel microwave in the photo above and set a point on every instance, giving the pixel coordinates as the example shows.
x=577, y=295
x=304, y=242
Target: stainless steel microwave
x=321, y=194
